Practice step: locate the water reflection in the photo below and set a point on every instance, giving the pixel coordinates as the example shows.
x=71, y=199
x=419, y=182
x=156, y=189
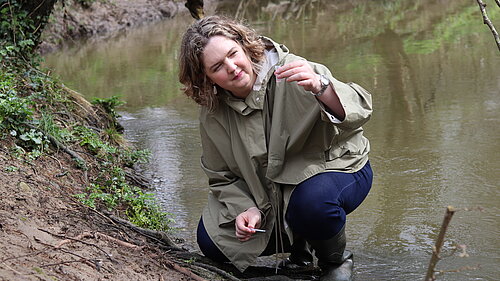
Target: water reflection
x=435, y=74
x=170, y=133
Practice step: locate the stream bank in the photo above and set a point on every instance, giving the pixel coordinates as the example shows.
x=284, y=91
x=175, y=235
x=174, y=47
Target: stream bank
x=58, y=217
x=96, y=19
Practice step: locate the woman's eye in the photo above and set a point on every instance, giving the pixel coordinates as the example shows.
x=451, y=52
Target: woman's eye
x=233, y=53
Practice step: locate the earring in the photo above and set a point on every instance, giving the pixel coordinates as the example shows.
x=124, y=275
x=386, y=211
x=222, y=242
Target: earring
x=214, y=89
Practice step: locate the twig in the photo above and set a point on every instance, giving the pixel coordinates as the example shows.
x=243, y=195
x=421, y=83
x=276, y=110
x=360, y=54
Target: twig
x=57, y=160
x=488, y=22
x=439, y=244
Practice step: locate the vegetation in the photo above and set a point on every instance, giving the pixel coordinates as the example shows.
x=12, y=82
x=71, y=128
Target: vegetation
x=39, y=116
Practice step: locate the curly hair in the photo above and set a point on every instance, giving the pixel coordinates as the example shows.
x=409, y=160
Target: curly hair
x=192, y=75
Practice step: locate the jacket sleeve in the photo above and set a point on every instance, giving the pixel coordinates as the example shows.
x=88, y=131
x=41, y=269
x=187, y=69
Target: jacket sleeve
x=229, y=193
x=356, y=101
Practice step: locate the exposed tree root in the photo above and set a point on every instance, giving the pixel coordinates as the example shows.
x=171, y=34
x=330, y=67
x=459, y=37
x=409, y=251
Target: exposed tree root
x=158, y=236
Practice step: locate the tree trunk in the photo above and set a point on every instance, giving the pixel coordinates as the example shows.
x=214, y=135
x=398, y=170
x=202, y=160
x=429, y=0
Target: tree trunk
x=38, y=11
x=25, y=20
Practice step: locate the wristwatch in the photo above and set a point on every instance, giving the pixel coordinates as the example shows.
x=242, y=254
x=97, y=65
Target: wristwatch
x=324, y=84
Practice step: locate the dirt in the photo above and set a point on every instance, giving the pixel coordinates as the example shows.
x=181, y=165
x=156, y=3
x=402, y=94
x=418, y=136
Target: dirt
x=47, y=235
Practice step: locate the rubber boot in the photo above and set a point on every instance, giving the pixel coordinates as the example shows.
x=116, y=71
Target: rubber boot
x=336, y=264
x=300, y=256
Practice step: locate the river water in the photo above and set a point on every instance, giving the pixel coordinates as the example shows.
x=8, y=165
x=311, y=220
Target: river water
x=434, y=72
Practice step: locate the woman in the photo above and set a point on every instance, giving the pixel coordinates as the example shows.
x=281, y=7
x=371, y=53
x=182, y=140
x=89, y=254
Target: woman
x=283, y=148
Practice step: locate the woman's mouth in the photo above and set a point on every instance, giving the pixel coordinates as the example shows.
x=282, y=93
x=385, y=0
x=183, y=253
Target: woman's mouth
x=238, y=76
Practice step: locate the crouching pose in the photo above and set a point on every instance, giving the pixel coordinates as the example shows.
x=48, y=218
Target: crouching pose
x=283, y=149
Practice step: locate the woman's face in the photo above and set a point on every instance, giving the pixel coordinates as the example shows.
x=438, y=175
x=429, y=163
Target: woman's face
x=227, y=65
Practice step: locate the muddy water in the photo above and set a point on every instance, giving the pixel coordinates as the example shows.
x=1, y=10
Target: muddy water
x=434, y=72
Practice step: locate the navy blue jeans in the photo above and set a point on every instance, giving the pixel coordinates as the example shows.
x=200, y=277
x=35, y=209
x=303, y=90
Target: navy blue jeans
x=317, y=209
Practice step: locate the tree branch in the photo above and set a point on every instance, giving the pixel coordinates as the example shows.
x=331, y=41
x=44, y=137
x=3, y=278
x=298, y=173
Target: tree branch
x=439, y=243
x=488, y=22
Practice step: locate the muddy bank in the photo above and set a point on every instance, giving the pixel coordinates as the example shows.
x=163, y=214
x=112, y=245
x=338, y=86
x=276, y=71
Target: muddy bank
x=72, y=20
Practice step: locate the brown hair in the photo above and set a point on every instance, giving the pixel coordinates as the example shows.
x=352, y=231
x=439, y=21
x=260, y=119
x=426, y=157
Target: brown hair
x=191, y=70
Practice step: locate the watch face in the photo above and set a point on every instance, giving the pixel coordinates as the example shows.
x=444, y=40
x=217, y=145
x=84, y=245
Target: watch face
x=324, y=81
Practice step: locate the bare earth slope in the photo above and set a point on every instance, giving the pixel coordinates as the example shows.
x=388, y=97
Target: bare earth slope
x=46, y=235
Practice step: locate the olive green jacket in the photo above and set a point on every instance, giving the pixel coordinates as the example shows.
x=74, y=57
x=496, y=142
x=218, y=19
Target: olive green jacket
x=256, y=150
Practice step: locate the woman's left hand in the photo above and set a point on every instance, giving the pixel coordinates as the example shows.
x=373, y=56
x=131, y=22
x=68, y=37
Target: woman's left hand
x=301, y=72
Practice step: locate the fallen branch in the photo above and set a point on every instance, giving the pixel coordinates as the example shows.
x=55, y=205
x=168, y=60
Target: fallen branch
x=487, y=21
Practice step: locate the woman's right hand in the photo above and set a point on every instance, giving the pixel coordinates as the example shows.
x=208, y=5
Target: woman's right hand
x=246, y=222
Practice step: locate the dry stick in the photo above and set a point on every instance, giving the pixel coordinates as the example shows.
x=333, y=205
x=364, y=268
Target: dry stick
x=439, y=244
x=488, y=22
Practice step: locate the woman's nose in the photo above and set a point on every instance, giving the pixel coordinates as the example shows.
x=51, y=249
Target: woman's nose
x=231, y=66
